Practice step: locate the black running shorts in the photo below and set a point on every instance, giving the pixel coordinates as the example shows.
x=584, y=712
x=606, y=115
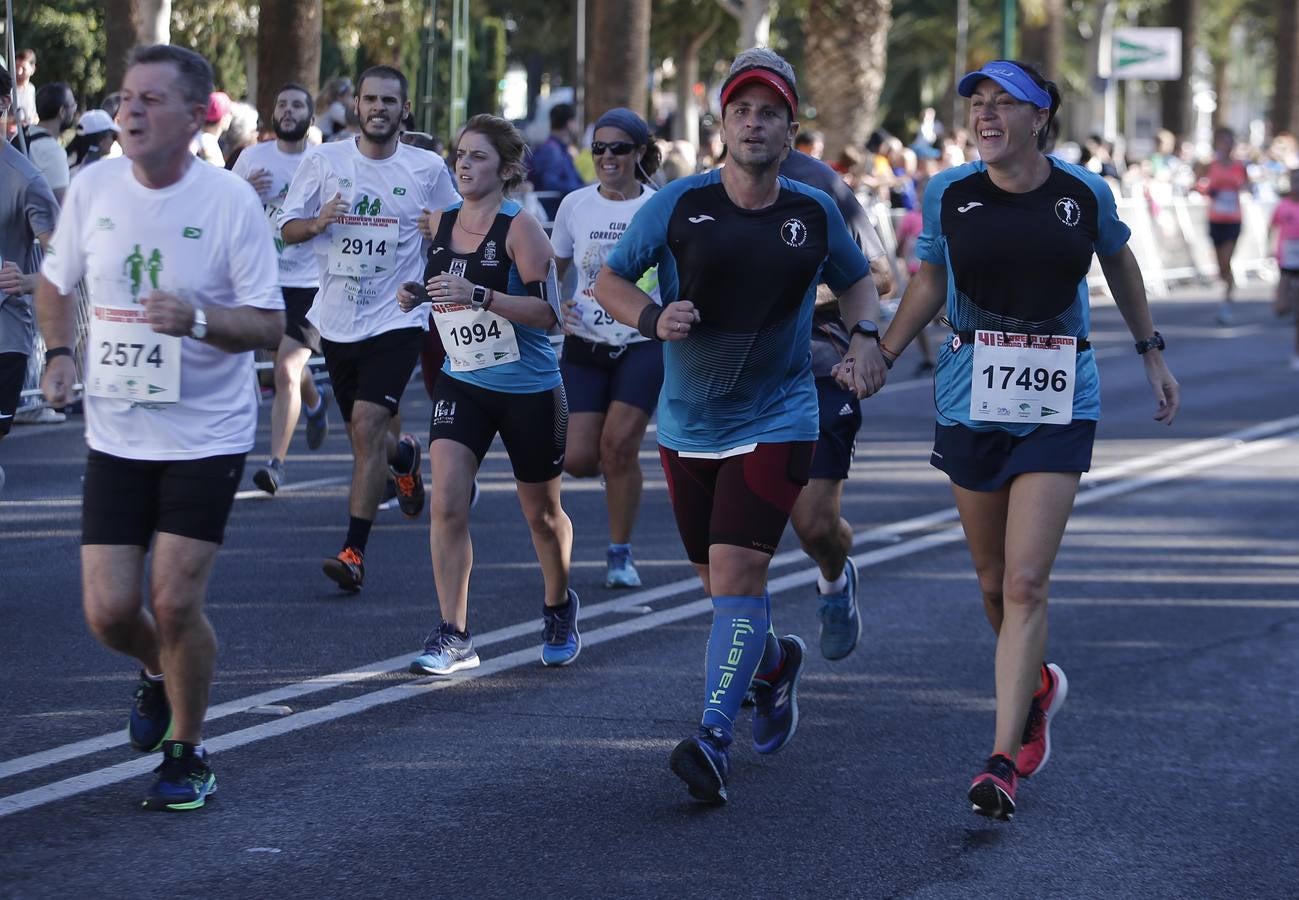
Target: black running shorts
x=742, y=500
x=297, y=301
x=375, y=369
x=840, y=421
x=13, y=372
x=533, y=427
x=125, y=501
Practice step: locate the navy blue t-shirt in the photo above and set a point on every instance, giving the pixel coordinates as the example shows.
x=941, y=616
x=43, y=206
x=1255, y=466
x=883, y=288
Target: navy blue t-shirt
x=744, y=374
x=1016, y=263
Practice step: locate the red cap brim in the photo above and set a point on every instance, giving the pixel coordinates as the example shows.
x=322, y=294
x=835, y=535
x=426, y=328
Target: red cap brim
x=771, y=80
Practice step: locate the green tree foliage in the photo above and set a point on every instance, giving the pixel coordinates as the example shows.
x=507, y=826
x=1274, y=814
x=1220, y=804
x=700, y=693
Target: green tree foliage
x=225, y=32
x=68, y=38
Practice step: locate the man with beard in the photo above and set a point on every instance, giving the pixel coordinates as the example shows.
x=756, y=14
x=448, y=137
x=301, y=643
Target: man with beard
x=740, y=252
x=269, y=168
x=358, y=202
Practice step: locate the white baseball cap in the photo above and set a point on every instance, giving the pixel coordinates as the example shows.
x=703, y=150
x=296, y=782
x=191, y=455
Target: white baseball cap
x=95, y=121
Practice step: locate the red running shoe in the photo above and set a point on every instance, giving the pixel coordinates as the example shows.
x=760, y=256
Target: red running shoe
x=992, y=793
x=1035, y=746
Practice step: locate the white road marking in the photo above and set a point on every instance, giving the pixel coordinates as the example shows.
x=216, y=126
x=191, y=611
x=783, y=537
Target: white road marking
x=1235, y=447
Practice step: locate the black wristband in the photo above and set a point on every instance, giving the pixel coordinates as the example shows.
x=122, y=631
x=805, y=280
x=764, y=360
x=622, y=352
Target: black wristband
x=54, y=352
x=648, y=323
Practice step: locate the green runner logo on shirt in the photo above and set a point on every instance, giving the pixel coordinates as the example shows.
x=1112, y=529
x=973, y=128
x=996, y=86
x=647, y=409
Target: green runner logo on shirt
x=364, y=206
x=135, y=265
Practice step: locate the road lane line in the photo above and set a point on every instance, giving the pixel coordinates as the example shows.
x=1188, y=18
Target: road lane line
x=892, y=532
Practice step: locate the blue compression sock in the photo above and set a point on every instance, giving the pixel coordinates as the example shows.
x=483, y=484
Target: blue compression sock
x=735, y=647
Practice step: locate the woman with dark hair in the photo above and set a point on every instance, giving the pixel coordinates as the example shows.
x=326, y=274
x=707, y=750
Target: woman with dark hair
x=491, y=279
x=96, y=133
x=1222, y=182
x=612, y=373
x=1006, y=244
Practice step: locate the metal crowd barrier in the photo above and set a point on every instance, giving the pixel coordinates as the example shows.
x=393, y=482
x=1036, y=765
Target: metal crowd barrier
x=1170, y=239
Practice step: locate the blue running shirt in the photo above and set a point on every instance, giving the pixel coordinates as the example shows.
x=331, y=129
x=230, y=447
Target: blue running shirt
x=1016, y=263
x=744, y=374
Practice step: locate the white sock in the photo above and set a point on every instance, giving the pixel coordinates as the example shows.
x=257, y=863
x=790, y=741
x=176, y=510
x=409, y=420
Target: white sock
x=312, y=410
x=832, y=587
x=154, y=678
x=199, y=751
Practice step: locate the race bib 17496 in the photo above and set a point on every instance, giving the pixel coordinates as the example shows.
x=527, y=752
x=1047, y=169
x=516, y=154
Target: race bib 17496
x=1025, y=378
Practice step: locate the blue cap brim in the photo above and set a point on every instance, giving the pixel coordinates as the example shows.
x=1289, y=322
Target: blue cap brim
x=965, y=87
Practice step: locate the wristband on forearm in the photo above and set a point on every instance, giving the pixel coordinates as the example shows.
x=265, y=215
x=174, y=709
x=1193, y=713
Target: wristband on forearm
x=648, y=323
x=55, y=352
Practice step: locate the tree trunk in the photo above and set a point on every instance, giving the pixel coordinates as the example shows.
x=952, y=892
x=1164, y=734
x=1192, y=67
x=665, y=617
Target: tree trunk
x=1285, y=103
x=618, y=59
x=685, y=124
x=1176, y=95
x=854, y=35
x=1041, y=42
x=754, y=17
x=288, y=49
x=128, y=23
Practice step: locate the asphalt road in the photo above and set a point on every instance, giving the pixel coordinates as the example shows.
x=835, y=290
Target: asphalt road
x=1175, y=613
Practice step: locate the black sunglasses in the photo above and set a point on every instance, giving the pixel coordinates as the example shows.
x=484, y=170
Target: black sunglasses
x=617, y=148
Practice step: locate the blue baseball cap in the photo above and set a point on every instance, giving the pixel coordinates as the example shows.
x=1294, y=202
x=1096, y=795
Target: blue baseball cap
x=1015, y=80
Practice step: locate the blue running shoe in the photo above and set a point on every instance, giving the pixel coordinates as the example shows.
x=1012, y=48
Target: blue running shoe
x=318, y=422
x=775, y=710
x=150, y=722
x=185, y=779
x=445, y=651
x=703, y=762
x=622, y=571
x=562, y=642
x=840, y=620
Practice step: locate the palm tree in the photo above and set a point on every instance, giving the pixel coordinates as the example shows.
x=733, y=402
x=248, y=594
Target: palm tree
x=1176, y=96
x=617, y=55
x=846, y=52
x=288, y=49
x=128, y=23
x=1042, y=35
x=1285, y=104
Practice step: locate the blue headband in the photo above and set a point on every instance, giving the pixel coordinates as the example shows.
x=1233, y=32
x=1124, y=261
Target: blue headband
x=1018, y=83
x=625, y=120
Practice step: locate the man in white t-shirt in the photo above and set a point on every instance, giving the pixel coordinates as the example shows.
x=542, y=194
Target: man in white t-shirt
x=269, y=168
x=358, y=202
x=178, y=261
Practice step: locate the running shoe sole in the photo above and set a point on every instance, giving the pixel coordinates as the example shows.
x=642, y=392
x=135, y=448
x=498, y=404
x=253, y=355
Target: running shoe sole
x=417, y=668
x=691, y=764
x=262, y=478
x=341, y=575
x=130, y=738
x=1061, y=691
x=988, y=799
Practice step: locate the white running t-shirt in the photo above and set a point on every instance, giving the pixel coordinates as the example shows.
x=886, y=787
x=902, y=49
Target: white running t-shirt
x=364, y=258
x=297, y=261
x=587, y=226
x=203, y=238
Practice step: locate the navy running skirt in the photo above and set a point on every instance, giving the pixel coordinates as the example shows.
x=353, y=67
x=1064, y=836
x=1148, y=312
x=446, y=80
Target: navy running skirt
x=988, y=460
